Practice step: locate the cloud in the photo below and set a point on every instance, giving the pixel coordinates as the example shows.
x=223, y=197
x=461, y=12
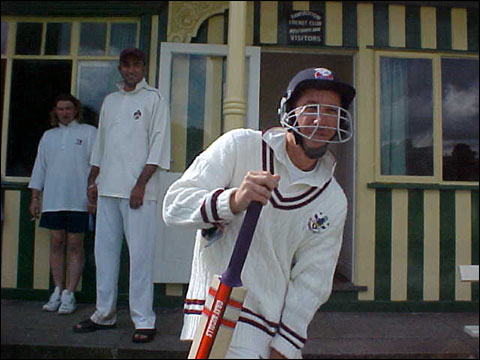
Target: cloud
x=460, y=102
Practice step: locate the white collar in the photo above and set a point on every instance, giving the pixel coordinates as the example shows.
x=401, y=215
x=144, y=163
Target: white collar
x=323, y=172
x=140, y=85
x=71, y=124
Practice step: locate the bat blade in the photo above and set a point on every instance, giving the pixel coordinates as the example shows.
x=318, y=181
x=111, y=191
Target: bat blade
x=224, y=301
x=219, y=317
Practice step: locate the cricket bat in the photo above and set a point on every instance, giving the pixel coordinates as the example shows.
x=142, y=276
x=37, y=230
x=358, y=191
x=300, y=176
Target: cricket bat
x=225, y=297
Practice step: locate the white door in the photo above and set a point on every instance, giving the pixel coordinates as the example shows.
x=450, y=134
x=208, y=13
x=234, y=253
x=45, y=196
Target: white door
x=192, y=77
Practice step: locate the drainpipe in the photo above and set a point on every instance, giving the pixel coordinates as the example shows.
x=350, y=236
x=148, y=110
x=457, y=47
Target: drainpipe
x=234, y=104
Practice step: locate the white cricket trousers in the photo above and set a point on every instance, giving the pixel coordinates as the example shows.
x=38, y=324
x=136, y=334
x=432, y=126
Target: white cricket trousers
x=114, y=218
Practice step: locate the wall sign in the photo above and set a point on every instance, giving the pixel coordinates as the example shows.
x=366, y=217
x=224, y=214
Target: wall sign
x=305, y=27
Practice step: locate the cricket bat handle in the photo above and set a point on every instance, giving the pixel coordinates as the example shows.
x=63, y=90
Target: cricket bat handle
x=232, y=276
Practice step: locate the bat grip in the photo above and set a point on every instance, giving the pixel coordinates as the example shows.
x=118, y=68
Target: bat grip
x=232, y=276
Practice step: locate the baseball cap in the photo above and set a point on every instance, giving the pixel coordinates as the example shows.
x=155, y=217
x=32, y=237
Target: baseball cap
x=320, y=78
x=132, y=52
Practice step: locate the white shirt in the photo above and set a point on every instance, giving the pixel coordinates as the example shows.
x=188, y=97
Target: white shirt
x=289, y=269
x=62, y=166
x=134, y=130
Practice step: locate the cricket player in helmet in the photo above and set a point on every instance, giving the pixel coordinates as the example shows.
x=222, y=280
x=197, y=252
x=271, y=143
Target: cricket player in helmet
x=296, y=242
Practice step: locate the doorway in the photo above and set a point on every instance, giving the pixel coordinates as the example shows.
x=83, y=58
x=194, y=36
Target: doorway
x=276, y=70
x=33, y=92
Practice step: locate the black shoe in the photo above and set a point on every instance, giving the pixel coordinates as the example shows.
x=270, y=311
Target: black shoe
x=87, y=326
x=144, y=335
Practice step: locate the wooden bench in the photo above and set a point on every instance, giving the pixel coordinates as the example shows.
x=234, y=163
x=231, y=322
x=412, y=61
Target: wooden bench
x=469, y=273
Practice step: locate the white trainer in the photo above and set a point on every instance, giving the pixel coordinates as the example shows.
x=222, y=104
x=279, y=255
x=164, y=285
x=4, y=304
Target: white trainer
x=54, y=302
x=68, y=305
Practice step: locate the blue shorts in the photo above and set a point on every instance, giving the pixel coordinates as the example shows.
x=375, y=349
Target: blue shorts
x=71, y=221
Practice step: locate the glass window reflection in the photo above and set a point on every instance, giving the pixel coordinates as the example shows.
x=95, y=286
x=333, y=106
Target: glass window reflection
x=460, y=119
x=58, y=39
x=406, y=112
x=122, y=36
x=93, y=39
x=29, y=38
x=95, y=80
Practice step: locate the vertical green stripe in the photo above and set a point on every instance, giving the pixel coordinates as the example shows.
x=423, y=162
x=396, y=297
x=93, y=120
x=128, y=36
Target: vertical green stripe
x=383, y=244
x=412, y=24
x=145, y=30
x=159, y=290
x=447, y=245
x=163, y=24
x=256, y=23
x=196, y=107
x=162, y=35
x=124, y=274
x=25, y=244
x=89, y=278
x=472, y=29
x=225, y=26
x=349, y=14
x=380, y=20
x=475, y=248
x=319, y=7
x=415, y=245
x=444, y=28
x=284, y=10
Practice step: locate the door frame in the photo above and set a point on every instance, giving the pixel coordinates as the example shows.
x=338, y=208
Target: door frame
x=174, y=248
x=252, y=53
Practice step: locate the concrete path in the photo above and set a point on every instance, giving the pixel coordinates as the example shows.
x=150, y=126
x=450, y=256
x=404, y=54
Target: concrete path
x=28, y=332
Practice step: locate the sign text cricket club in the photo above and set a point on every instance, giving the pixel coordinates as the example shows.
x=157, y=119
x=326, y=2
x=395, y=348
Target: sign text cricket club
x=305, y=27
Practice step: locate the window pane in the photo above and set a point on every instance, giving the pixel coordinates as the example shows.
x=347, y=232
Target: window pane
x=122, y=36
x=30, y=108
x=460, y=119
x=96, y=79
x=406, y=113
x=29, y=38
x=196, y=98
x=58, y=39
x=4, y=37
x=196, y=106
x=92, y=39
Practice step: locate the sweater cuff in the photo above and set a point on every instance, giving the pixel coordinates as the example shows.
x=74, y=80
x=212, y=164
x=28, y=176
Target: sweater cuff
x=286, y=348
x=223, y=205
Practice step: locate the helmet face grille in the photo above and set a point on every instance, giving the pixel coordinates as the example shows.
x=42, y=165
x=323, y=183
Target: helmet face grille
x=325, y=119
x=324, y=123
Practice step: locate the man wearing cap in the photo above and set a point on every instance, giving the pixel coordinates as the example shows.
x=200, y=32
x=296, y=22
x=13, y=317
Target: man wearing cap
x=133, y=142
x=291, y=262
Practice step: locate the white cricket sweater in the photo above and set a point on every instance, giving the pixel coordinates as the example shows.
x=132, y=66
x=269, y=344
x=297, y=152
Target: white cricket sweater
x=289, y=269
x=62, y=166
x=134, y=130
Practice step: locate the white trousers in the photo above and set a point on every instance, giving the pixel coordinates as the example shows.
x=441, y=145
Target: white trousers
x=114, y=219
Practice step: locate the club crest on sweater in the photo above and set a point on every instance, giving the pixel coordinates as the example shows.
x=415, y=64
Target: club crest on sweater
x=137, y=114
x=318, y=223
